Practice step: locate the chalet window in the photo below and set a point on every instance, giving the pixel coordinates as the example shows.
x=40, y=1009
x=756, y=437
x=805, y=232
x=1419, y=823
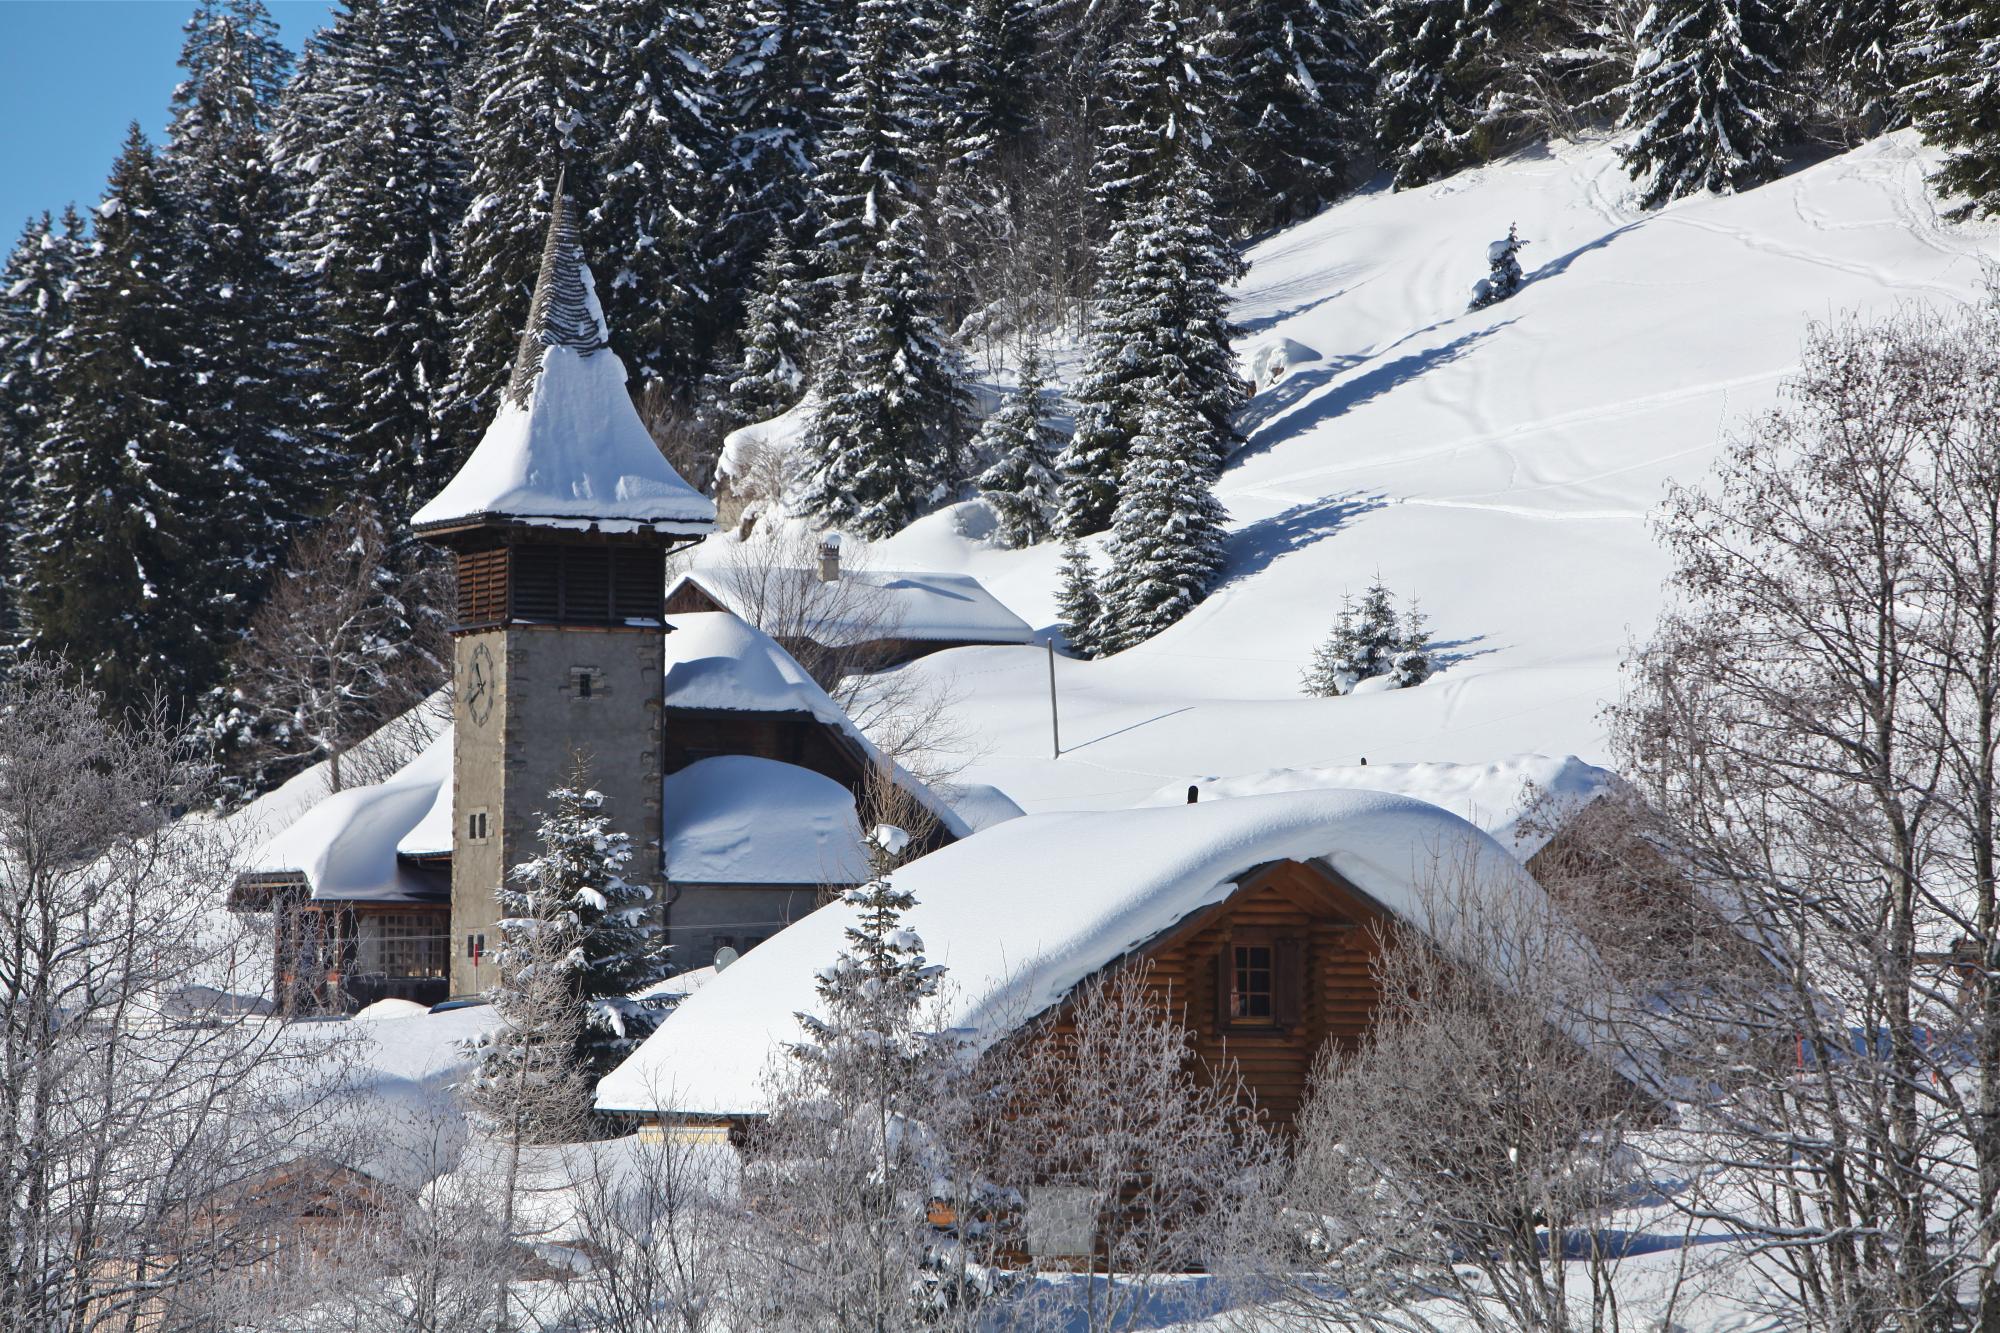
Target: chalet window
x=1260, y=981
x=475, y=826
x=412, y=945
x=1250, y=989
x=475, y=946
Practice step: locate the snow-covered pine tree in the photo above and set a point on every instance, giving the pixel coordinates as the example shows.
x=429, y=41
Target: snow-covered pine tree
x=247, y=395
x=888, y=440
x=577, y=879
x=1166, y=543
x=1162, y=315
x=1167, y=87
x=869, y=172
x=771, y=376
x=1334, y=669
x=658, y=165
x=1862, y=52
x=1106, y=392
x=1503, y=270
x=536, y=105
x=774, y=83
x=1953, y=47
x=1707, y=97
x=369, y=141
x=1079, y=606
x=120, y=567
x=1302, y=103
x=34, y=308
x=1020, y=483
x=1437, y=72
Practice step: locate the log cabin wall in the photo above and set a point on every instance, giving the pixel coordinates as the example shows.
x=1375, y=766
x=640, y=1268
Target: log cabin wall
x=1323, y=937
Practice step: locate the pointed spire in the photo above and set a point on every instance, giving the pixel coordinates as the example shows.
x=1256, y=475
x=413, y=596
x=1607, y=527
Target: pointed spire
x=563, y=314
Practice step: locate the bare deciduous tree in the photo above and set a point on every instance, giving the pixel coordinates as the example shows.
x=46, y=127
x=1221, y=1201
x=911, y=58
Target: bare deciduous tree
x=1817, y=721
x=126, y=1109
x=1138, y=1164
x=343, y=644
x=1454, y=1167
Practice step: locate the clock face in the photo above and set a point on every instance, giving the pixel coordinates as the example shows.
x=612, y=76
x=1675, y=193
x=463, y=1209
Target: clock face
x=479, y=686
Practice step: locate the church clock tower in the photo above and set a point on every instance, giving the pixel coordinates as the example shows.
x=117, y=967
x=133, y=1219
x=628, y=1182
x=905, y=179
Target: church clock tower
x=559, y=523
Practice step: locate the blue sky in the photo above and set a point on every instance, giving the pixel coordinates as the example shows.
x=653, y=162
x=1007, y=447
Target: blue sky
x=74, y=73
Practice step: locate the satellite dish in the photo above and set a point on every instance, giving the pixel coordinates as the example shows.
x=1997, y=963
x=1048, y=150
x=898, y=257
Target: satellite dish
x=724, y=957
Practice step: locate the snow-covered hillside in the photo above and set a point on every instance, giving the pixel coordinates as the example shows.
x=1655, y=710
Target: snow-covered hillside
x=1498, y=466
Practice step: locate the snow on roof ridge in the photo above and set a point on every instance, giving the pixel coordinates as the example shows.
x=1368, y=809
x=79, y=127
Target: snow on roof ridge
x=346, y=846
x=919, y=604
x=1490, y=795
x=1023, y=912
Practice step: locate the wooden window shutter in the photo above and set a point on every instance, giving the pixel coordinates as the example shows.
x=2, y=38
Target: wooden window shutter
x=1288, y=981
x=1225, y=982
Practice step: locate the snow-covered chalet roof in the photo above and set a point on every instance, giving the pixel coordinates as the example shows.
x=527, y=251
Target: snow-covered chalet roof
x=567, y=448
x=895, y=604
x=739, y=819
x=345, y=847
x=1023, y=912
x=1492, y=796
x=716, y=661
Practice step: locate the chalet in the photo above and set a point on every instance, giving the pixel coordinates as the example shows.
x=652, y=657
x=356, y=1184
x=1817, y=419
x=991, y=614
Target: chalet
x=1259, y=916
x=733, y=772
x=874, y=619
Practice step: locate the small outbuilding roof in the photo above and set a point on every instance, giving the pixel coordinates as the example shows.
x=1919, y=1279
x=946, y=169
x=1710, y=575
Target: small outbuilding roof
x=567, y=448
x=893, y=604
x=1022, y=913
x=739, y=819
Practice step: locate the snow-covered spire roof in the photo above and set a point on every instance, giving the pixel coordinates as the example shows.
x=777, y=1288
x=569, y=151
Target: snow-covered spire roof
x=567, y=448
x=563, y=313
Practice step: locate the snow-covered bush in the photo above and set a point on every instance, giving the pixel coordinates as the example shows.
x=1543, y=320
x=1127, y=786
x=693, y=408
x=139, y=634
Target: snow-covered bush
x=1503, y=278
x=1369, y=641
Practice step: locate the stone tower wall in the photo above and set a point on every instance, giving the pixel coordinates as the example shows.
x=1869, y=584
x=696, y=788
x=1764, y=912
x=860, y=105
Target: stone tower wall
x=540, y=716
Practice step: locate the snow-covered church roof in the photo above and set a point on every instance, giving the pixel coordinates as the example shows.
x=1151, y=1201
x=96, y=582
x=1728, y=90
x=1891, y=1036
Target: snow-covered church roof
x=1022, y=913
x=894, y=604
x=567, y=448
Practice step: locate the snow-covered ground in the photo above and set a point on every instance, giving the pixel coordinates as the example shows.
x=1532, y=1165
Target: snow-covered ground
x=1498, y=466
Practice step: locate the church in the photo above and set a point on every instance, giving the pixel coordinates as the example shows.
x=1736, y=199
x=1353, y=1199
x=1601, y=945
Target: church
x=740, y=782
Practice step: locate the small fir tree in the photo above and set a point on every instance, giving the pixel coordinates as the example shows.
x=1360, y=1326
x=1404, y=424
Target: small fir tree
x=1707, y=97
x=1503, y=277
x=1079, y=607
x=853, y=1139
x=577, y=882
x=1367, y=641
x=1023, y=444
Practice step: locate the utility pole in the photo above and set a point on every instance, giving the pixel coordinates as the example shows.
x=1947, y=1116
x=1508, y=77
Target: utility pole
x=1055, y=727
